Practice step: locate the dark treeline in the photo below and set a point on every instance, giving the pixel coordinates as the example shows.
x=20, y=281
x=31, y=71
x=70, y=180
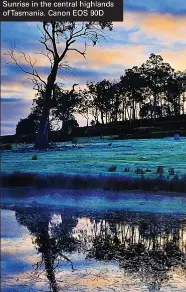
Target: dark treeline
x=151, y=91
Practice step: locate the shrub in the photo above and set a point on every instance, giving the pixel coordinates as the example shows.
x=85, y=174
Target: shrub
x=19, y=179
x=74, y=141
x=139, y=171
x=171, y=171
x=156, y=188
x=34, y=157
x=112, y=168
x=6, y=147
x=159, y=170
x=27, y=126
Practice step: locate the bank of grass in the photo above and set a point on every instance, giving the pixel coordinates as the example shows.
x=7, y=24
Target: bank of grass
x=20, y=179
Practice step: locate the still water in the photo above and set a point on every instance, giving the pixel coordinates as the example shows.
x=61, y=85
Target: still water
x=77, y=250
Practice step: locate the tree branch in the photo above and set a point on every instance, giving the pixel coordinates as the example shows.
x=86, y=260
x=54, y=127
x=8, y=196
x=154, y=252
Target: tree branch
x=11, y=54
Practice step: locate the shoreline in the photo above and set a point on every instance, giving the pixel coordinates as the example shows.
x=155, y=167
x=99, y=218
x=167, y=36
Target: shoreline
x=88, y=190
x=70, y=200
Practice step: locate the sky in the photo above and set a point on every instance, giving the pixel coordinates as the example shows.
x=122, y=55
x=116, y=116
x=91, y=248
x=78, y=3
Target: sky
x=153, y=26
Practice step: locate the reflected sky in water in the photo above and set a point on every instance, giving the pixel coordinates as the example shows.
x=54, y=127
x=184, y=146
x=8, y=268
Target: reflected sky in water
x=53, y=250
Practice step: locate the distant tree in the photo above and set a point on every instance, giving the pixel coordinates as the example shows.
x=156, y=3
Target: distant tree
x=84, y=106
x=90, y=94
x=114, y=99
x=146, y=111
x=156, y=73
x=69, y=126
x=36, y=110
x=26, y=126
x=183, y=106
x=66, y=105
x=37, y=105
x=175, y=88
x=133, y=84
x=102, y=93
x=124, y=99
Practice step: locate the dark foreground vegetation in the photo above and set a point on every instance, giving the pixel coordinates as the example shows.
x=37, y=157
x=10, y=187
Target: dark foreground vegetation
x=19, y=179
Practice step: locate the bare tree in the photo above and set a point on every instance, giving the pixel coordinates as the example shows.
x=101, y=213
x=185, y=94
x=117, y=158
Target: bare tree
x=84, y=106
x=58, y=38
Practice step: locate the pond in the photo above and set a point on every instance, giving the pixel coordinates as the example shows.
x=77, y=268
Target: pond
x=76, y=245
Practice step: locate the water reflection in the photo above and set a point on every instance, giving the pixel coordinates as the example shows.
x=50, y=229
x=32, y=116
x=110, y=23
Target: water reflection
x=149, y=249
x=51, y=238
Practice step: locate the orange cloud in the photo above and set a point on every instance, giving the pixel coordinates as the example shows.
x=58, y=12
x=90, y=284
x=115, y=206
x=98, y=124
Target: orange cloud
x=111, y=59
x=176, y=58
x=17, y=89
x=164, y=27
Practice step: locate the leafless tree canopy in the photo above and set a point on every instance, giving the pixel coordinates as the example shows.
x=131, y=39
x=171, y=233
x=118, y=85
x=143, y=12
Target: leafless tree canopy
x=57, y=39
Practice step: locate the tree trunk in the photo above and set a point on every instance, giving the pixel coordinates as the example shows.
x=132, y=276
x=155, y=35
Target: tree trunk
x=125, y=114
x=123, y=110
x=133, y=110
x=116, y=114
x=130, y=117
x=42, y=136
x=50, y=271
x=62, y=123
x=161, y=107
x=128, y=112
x=155, y=101
x=183, y=104
x=102, y=119
x=96, y=116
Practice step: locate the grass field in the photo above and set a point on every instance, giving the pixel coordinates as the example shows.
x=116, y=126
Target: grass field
x=98, y=156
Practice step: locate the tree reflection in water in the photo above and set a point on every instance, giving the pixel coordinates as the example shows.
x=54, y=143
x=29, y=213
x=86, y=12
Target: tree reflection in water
x=147, y=246
x=50, y=239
